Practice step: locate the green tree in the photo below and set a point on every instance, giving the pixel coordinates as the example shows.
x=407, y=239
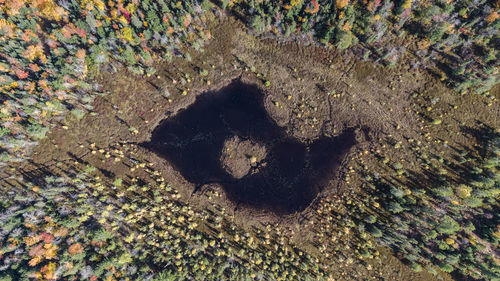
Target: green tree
x=344, y=39
x=37, y=131
x=395, y=207
x=448, y=225
x=375, y=231
x=446, y=267
x=257, y=23
x=129, y=55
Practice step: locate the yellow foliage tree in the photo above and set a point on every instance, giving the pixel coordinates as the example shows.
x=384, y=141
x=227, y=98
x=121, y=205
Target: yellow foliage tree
x=127, y=34
x=340, y=4
x=407, y=4
x=35, y=51
x=49, y=9
x=34, y=261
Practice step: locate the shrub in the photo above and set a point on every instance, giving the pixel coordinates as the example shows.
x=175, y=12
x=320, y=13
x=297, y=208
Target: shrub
x=36, y=131
x=4, y=131
x=416, y=267
x=117, y=182
x=78, y=113
x=397, y=166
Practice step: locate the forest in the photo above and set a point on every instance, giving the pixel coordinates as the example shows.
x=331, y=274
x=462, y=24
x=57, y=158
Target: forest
x=399, y=98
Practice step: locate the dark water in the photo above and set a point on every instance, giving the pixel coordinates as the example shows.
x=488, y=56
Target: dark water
x=193, y=139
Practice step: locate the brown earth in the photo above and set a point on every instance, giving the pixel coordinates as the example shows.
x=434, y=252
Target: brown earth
x=239, y=156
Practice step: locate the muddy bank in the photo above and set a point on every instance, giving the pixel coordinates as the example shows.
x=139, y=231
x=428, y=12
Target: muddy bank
x=228, y=137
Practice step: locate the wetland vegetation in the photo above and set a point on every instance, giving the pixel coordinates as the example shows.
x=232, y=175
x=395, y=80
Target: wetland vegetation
x=249, y=140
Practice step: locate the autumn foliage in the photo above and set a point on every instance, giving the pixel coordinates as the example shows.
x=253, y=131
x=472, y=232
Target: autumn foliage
x=40, y=65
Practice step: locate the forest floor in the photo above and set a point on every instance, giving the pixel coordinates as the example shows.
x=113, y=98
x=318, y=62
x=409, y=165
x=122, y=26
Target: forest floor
x=309, y=93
